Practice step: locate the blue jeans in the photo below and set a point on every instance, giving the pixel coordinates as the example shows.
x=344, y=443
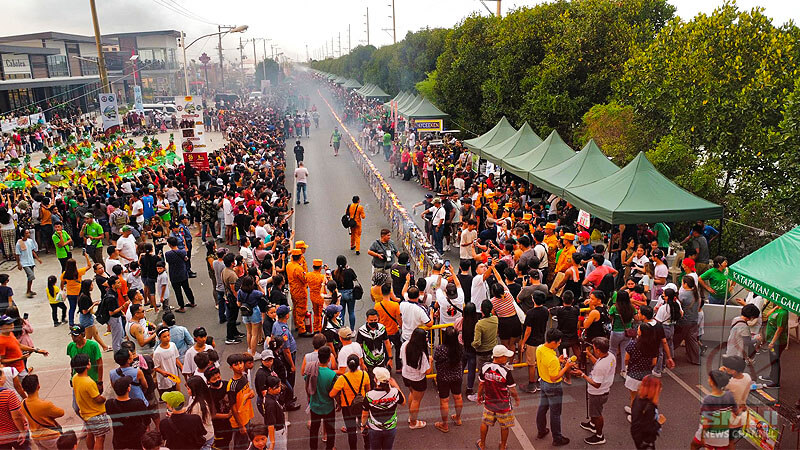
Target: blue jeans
x=470, y=360
x=381, y=439
x=301, y=187
x=349, y=305
x=221, y=306
x=550, y=399
x=714, y=300
x=438, y=238
x=73, y=304
x=617, y=343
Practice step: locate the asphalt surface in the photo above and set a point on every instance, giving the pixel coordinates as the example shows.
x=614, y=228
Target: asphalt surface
x=332, y=183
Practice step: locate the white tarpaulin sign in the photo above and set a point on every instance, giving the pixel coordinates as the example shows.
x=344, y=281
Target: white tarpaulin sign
x=109, y=110
x=584, y=219
x=9, y=125
x=138, y=104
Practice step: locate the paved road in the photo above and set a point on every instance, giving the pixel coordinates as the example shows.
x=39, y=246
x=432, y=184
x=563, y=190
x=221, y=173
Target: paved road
x=332, y=182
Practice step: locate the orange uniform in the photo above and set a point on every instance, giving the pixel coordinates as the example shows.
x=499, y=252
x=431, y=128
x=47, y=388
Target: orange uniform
x=565, y=258
x=552, y=247
x=314, y=280
x=356, y=211
x=296, y=277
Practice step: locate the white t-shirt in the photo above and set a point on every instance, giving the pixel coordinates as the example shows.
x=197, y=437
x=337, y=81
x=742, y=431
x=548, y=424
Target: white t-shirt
x=661, y=271
x=540, y=250
x=410, y=372
x=10, y=374
x=110, y=263
x=165, y=359
x=480, y=290
x=127, y=248
x=664, y=313
x=439, y=215
x=352, y=348
x=126, y=187
x=413, y=316
x=603, y=373
x=247, y=254
x=759, y=302
x=261, y=232
x=138, y=208
x=301, y=175
x=227, y=210
x=430, y=284
x=188, y=359
x=467, y=242
x=444, y=305
x=162, y=280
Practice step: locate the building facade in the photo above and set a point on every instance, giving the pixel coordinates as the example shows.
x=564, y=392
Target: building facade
x=158, y=68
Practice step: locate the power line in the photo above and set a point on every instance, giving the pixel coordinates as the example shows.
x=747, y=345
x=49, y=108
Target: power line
x=188, y=11
x=184, y=12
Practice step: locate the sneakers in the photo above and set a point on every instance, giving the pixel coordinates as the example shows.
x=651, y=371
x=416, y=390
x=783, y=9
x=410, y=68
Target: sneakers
x=531, y=388
x=472, y=397
x=595, y=440
x=560, y=442
x=588, y=426
x=627, y=409
x=542, y=434
x=233, y=341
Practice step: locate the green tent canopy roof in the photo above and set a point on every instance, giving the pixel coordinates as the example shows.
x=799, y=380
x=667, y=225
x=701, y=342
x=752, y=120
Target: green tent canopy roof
x=587, y=166
x=425, y=110
x=522, y=142
x=409, y=104
x=638, y=193
x=397, y=98
x=771, y=271
x=553, y=150
x=351, y=84
x=374, y=92
x=499, y=133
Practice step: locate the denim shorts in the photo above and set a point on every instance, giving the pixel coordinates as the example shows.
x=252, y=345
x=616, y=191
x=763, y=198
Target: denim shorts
x=86, y=320
x=253, y=318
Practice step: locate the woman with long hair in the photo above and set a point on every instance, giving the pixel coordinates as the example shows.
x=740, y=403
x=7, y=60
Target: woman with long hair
x=71, y=284
x=668, y=313
x=56, y=301
x=86, y=312
x=509, y=328
x=645, y=419
x=159, y=235
x=622, y=314
x=345, y=281
x=331, y=295
x=465, y=325
x=248, y=298
x=416, y=365
x=201, y=404
x=352, y=383
x=449, y=377
x=641, y=355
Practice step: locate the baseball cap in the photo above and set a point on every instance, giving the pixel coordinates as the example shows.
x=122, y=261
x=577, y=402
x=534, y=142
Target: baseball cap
x=174, y=399
x=583, y=235
x=671, y=286
x=381, y=374
x=345, y=333
x=451, y=290
x=333, y=309
x=429, y=196
x=266, y=354
x=75, y=330
x=300, y=244
x=282, y=310
x=126, y=228
x=501, y=350
x=89, y=215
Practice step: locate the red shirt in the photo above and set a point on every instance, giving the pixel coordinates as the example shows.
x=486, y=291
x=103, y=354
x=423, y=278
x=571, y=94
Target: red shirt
x=8, y=402
x=9, y=349
x=597, y=275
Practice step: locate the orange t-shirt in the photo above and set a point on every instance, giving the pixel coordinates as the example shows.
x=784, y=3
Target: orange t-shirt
x=388, y=315
x=73, y=287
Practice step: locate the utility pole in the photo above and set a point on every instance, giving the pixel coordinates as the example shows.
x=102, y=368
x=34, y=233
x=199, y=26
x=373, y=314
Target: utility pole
x=265, y=58
x=307, y=58
x=367, y=25
x=333, y=53
x=241, y=60
x=101, y=62
x=498, y=8
x=340, y=43
x=326, y=49
x=349, y=48
x=221, y=58
x=394, y=26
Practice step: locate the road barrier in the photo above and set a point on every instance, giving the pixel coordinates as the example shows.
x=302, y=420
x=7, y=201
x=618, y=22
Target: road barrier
x=409, y=236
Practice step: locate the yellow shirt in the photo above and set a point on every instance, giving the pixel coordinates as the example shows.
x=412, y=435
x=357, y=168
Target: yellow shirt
x=357, y=379
x=52, y=298
x=565, y=258
x=85, y=393
x=548, y=365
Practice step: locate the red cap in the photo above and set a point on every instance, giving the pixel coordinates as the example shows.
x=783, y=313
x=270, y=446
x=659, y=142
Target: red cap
x=583, y=235
x=688, y=262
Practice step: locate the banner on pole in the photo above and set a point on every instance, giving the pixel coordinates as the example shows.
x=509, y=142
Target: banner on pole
x=193, y=142
x=138, y=104
x=109, y=110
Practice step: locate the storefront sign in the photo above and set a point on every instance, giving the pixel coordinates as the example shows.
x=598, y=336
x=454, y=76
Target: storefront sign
x=16, y=64
x=109, y=110
x=193, y=142
x=584, y=219
x=429, y=125
x=138, y=104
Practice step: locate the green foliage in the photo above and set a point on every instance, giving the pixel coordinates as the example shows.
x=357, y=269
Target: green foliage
x=615, y=128
x=426, y=87
x=274, y=72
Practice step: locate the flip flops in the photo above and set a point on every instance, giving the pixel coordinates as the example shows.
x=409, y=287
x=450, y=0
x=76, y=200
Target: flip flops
x=420, y=424
x=456, y=420
x=441, y=426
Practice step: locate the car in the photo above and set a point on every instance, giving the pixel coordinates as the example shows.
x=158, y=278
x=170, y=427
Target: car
x=164, y=108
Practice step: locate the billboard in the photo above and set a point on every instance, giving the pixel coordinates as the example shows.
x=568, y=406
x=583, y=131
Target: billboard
x=138, y=104
x=193, y=142
x=109, y=110
x=429, y=125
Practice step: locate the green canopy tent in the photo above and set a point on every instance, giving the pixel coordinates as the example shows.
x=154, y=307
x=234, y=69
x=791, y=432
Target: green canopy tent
x=499, y=133
x=553, y=150
x=375, y=92
x=587, y=166
x=638, y=193
x=771, y=271
x=408, y=105
x=522, y=142
x=425, y=110
x=340, y=80
x=364, y=88
x=402, y=95
x=351, y=84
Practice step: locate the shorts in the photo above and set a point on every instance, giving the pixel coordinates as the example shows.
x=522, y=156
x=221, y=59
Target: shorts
x=530, y=355
x=446, y=388
x=632, y=384
x=509, y=327
x=86, y=320
x=29, y=273
x=419, y=386
x=596, y=403
x=506, y=420
x=253, y=318
x=99, y=425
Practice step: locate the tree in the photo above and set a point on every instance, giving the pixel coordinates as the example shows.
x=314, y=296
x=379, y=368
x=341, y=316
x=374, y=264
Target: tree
x=273, y=71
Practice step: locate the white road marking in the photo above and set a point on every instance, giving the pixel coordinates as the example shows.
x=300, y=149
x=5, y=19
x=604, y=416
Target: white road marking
x=519, y=432
x=684, y=385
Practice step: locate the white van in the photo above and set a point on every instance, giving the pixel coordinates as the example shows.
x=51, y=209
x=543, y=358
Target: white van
x=164, y=108
x=255, y=95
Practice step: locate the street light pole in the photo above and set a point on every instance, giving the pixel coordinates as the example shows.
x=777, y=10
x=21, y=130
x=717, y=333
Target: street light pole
x=185, y=69
x=101, y=62
x=221, y=63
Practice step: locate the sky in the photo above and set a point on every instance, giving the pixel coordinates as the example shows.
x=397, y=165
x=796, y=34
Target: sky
x=290, y=25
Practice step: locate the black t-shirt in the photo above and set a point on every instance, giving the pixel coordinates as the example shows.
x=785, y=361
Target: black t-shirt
x=183, y=431
x=277, y=297
x=568, y=323
x=85, y=303
x=399, y=273
x=273, y=413
x=148, y=264
x=514, y=289
x=347, y=279
x=243, y=222
x=128, y=421
x=537, y=318
x=466, y=286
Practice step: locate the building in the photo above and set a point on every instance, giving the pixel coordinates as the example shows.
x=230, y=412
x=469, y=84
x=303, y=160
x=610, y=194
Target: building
x=56, y=72
x=158, y=70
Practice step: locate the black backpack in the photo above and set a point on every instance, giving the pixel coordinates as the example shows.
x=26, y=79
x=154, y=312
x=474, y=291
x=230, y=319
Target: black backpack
x=102, y=314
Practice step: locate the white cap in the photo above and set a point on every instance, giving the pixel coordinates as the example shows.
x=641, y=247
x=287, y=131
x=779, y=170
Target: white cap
x=671, y=286
x=501, y=350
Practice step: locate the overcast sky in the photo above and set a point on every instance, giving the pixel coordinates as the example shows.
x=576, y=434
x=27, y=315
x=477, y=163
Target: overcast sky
x=291, y=25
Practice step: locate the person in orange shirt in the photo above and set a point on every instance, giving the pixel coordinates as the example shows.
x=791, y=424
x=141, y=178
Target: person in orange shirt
x=551, y=240
x=314, y=280
x=565, y=258
x=296, y=277
x=389, y=317
x=302, y=246
x=356, y=212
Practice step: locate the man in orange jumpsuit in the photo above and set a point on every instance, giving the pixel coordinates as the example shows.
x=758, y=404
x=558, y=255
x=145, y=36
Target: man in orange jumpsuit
x=356, y=212
x=565, y=258
x=314, y=280
x=551, y=240
x=296, y=277
x=302, y=246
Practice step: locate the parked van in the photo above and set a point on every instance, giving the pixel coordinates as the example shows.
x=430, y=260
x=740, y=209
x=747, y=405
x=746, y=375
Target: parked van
x=164, y=108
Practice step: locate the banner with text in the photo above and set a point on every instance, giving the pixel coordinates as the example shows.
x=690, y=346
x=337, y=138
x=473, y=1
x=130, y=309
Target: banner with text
x=109, y=110
x=429, y=125
x=138, y=104
x=193, y=142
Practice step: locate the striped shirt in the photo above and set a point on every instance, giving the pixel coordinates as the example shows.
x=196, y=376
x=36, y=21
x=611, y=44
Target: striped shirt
x=504, y=306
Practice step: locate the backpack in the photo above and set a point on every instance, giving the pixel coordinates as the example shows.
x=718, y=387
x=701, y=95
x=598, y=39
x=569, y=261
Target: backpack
x=120, y=220
x=357, y=405
x=347, y=220
x=102, y=314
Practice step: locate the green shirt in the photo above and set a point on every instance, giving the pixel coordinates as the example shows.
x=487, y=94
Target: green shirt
x=778, y=318
x=90, y=349
x=336, y=137
x=61, y=252
x=95, y=231
x=321, y=402
x=717, y=280
x=387, y=139
x=617, y=324
x=662, y=234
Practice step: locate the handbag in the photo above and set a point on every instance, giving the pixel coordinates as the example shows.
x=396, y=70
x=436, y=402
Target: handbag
x=347, y=221
x=358, y=290
x=558, y=281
